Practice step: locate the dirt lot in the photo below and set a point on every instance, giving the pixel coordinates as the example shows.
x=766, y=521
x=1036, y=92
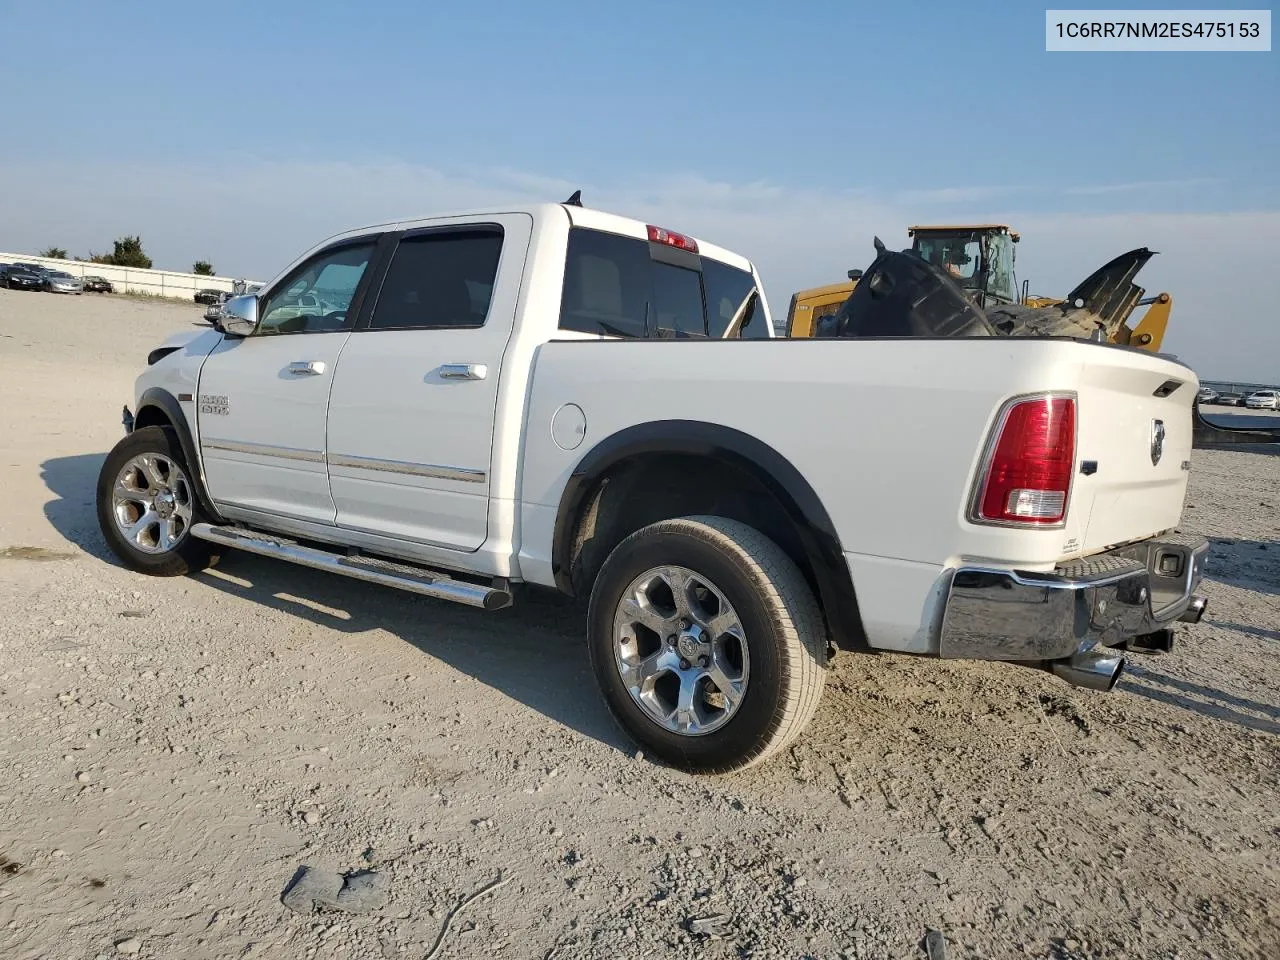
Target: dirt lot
x=171, y=751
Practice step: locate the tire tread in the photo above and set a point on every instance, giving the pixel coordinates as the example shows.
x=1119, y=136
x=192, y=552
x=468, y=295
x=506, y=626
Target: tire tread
x=793, y=609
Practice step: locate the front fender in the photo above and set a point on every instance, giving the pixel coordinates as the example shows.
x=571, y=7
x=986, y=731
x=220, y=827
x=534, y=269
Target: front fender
x=159, y=407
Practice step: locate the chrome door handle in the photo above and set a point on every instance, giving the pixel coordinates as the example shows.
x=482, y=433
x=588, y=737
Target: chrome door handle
x=306, y=368
x=463, y=371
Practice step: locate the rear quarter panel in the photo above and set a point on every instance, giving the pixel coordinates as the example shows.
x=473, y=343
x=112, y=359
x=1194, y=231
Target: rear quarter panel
x=889, y=433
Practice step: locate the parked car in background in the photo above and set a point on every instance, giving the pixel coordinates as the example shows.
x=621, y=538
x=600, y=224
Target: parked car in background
x=18, y=276
x=210, y=296
x=56, y=281
x=1230, y=400
x=1263, y=400
x=98, y=285
x=1206, y=395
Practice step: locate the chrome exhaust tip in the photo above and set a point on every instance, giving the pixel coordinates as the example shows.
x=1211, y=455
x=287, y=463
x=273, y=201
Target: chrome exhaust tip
x=1095, y=669
x=1195, y=610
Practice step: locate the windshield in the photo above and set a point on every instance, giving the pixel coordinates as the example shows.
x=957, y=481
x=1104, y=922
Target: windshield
x=979, y=262
x=960, y=257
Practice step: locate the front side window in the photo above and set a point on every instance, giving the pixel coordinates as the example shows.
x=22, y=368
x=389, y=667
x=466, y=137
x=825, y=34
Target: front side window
x=439, y=280
x=316, y=297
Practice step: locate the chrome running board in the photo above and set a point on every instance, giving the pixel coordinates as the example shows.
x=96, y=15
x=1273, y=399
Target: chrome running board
x=402, y=576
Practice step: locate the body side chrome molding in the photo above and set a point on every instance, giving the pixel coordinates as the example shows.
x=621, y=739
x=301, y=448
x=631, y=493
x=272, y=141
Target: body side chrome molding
x=437, y=471
x=265, y=450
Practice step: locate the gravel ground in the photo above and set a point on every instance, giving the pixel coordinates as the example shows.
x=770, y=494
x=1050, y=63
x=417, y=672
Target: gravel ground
x=174, y=750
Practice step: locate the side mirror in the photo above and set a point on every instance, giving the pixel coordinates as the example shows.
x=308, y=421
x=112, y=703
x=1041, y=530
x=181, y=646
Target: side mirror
x=240, y=316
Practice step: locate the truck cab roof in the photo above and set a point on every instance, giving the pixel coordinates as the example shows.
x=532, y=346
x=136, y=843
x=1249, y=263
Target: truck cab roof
x=578, y=216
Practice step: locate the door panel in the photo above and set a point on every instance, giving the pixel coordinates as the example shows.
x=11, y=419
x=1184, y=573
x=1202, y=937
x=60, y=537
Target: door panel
x=411, y=416
x=263, y=399
x=262, y=426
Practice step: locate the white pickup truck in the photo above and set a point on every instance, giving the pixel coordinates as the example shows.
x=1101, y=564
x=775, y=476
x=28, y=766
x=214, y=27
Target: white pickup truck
x=555, y=396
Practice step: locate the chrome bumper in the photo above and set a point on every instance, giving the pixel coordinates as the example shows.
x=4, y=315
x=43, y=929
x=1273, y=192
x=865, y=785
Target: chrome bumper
x=1102, y=601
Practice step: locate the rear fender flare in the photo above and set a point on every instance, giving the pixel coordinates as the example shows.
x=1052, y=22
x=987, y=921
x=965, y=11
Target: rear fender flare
x=778, y=475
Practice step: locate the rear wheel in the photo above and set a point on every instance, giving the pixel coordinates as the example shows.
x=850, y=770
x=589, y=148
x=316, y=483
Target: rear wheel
x=707, y=643
x=147, y=505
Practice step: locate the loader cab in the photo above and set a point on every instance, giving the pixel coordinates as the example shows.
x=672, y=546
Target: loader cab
x=979, y=258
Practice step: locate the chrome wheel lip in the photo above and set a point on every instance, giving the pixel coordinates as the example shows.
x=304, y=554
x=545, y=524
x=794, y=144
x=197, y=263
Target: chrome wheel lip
x=151, y=503
x=702, y=651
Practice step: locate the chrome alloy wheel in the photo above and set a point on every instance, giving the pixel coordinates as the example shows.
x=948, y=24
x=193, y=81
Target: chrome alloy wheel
x=681, y=651
x=151, y=502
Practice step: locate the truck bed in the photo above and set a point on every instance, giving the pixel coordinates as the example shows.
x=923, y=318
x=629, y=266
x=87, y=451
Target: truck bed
x=890, y=434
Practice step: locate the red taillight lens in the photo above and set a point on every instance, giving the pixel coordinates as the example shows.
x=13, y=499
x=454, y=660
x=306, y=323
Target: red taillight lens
x=1029, y=476
x=677, y=240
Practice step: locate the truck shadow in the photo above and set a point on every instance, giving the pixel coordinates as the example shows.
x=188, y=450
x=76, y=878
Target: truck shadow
x=1247, y=564
x=1206, y=701
x=533, y=653
x=75, y=480
x=1261, y=633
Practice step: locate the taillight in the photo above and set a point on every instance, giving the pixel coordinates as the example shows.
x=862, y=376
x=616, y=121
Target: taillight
x=677, y=240
x=1028, y=475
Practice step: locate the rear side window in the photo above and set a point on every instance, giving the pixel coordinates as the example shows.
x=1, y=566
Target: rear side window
x=618, y=287
x=442, y=279
x=607, y=288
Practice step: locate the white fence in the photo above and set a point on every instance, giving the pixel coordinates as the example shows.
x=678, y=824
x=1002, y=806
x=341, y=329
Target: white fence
x=161, y=283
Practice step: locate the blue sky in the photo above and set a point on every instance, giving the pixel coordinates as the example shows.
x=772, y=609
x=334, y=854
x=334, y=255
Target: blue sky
x=787, y=131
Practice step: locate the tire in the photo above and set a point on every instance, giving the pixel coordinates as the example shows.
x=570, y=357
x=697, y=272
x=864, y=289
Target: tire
x=128, y=489
x=764, y=640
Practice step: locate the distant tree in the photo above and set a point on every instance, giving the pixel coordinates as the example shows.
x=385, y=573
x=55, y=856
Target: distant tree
x=202, y=267
x=128, y=253
x=53, y=253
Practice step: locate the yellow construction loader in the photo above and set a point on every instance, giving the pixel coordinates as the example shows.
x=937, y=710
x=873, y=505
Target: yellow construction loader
x=980, y=259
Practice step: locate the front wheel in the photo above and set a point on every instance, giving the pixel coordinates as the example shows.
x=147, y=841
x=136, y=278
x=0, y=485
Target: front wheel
x=147, y=505
x=707, y=643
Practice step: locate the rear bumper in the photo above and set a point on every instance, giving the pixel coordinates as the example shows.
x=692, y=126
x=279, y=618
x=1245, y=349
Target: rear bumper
x=1103, y=601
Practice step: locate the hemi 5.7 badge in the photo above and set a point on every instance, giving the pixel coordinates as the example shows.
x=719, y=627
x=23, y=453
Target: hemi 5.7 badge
x=215, y=406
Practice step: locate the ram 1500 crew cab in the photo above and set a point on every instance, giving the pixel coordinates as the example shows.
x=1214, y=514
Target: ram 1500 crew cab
x=556, y=396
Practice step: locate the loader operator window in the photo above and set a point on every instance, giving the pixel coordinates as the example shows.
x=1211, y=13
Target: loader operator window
x=960, y=258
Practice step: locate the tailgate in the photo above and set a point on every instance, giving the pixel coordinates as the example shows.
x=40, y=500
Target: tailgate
x=1135, y=422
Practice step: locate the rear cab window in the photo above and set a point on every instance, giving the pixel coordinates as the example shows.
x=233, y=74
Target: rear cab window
x=618, y=286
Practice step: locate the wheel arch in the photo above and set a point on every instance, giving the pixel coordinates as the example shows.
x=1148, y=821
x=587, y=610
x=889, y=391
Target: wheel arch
x=637, y=460
x=158, y=407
